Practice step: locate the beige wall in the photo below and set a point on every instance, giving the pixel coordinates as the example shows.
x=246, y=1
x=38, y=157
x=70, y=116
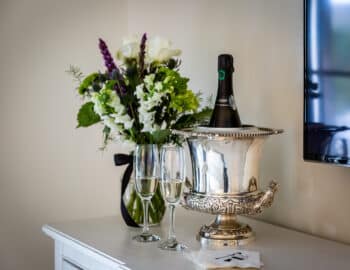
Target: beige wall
x=53, y=172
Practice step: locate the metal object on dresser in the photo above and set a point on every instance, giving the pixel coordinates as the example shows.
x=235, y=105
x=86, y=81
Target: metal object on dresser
x=225, y=166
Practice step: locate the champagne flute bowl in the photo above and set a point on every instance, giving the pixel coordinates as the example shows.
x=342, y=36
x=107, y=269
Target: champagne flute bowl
x=172, y=180
x=146, y=164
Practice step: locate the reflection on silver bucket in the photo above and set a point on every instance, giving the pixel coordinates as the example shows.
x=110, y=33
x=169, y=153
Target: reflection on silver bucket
x=225, y=166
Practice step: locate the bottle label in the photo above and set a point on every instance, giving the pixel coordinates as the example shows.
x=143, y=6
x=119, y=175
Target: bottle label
x=226, y=102
x=222, y=74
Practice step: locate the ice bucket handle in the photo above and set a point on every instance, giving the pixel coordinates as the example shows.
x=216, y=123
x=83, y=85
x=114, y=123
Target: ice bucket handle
x=267, y=199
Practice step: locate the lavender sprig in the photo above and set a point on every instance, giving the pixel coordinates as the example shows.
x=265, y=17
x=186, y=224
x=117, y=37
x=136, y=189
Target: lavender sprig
x=109, y=63
x=142, y=55
x=112, y=68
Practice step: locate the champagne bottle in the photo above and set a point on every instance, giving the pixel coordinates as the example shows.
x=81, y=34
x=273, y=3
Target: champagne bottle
x=225, y=113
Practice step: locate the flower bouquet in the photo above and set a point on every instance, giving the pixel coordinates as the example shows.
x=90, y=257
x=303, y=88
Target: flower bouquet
x=139, y=101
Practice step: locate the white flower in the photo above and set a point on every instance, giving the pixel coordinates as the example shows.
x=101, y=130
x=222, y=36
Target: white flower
x=139, y=91
x=149, y=79
x=123, y=119
x=115, y=103
x=109, y=122
x=98, y=106
x=148, y=124
x=146, y=117
x=131, y=39
x=128, y=123
x=163, y=126
x=146, y=113
x=130, y=48
x=158, y=86
x=158, y=49
x=99, y=109
x=128, y=51
x=148, y=100
x=157, y=97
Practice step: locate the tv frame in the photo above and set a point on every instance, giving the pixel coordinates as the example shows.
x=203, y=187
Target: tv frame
x=309, y=158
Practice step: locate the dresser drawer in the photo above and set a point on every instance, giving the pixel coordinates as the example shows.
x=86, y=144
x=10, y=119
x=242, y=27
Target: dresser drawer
x=67, y=265
x=84, y=259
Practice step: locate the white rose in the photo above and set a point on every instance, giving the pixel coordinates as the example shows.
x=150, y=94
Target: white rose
x=130, y=48
x=131, y=39
x=158, y=49
x=128, y=51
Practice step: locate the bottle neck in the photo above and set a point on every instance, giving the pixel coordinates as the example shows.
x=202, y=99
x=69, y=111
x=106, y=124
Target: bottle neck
x=225, y=89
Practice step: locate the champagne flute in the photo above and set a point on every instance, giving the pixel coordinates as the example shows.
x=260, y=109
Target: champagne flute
x=172, y=181
x=146, y=164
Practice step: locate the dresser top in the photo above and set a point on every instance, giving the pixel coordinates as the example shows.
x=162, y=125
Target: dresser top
x=280, y=248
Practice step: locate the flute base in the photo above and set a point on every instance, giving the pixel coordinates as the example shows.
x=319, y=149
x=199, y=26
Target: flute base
x=171, y=245
x=225, y=231
x=146, y=237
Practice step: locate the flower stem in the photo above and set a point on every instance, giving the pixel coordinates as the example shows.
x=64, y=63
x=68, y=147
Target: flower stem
x=138, y=211
x=130, y=205
x=153, y=213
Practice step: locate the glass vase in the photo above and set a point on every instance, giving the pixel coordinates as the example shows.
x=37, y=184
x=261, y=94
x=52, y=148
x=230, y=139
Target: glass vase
x=134, y=207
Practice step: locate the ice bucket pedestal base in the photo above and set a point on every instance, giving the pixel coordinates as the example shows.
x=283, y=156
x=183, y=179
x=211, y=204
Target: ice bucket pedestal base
x=225, y=231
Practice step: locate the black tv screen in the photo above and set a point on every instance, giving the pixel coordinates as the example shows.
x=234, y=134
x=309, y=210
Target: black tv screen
x=327, y=81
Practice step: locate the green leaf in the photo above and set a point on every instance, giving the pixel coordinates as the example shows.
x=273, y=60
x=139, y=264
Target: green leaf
x=160, y=136
x=190, y=120
x=87, y=116
x=110, y=84
x=87, y=82
x=184, y=102
x=204, y=114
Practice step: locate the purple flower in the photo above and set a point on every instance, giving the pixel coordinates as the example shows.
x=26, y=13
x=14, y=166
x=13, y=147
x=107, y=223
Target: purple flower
x=109, y=63
x=112, y=68
x=142, y=55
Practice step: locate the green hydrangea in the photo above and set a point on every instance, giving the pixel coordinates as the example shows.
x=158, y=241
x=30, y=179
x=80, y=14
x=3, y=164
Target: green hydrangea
x=182, y=99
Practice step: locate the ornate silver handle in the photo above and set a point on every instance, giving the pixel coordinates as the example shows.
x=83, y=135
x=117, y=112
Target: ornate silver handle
x=267, y=199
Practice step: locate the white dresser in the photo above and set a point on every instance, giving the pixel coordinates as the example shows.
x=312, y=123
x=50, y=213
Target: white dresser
x=105, y=243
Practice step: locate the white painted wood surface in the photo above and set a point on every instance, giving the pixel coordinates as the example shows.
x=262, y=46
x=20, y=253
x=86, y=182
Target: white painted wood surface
x=105, y=243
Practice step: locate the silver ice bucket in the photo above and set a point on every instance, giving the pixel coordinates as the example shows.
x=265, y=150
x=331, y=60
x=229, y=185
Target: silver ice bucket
x=225, y=166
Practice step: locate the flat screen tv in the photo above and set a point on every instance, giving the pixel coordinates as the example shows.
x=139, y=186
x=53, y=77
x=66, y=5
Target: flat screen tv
x=327, y=81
